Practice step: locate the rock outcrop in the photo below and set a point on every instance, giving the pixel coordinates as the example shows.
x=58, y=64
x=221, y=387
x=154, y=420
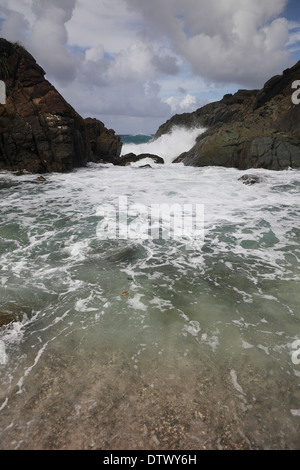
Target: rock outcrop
x=129, y=158
x=105, y=145
x=250, y=129
x=39, y=131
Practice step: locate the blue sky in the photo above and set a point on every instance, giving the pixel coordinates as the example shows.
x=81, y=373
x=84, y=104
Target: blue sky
x=292, y=13
x=134, y=63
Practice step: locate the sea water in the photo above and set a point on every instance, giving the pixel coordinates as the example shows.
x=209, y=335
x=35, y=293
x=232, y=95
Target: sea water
x=150, y=344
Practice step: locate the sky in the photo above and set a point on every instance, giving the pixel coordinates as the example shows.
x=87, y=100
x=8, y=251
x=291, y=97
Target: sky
x=135, y=63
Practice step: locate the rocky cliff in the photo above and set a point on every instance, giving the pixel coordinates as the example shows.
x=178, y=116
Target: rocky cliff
x=39, y=131
x=250, y=129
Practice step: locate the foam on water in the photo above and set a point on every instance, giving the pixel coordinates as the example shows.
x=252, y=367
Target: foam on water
x=168, y=146
x=222, y=316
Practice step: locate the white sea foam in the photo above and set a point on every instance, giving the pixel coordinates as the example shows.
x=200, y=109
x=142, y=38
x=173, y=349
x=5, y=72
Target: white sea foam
x=232, y=301
x=135, y=302
x=77, y=250
x=235, y=382
x=3, y=355
x=168, y=146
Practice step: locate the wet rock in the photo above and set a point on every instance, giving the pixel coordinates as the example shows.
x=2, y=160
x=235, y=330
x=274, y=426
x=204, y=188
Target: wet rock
x=105, y=145
x=129, y=158
x=250, y=179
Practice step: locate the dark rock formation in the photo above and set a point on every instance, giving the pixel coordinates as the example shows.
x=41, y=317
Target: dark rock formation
x=250, y=129
x=39, y=131
x=132, y=158
x=250, y=180
x=105, y=145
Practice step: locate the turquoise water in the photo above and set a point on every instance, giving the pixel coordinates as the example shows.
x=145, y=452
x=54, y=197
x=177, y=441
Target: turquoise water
x=136, y=139
x=199, y=351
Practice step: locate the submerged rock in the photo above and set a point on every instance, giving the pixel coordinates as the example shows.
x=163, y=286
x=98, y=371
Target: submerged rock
x=8, y=317
x=250, y=179
x=39, y=131
x=250, y=129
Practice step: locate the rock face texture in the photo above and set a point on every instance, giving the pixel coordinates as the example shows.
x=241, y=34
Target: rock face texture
x=39, y=131
x=105, y=145
x=250, y=129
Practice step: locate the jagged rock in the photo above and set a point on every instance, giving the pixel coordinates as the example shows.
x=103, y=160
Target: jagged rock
x=129, y=158
x=105, y=145
x=250, y=129
x=39, y=131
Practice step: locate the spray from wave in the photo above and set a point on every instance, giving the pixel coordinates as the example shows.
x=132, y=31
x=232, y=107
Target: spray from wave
x=168, y=146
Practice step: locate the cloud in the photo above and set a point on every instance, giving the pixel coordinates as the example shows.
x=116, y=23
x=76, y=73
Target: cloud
x=95, y=54
x=15, y=25
x=49, y=37
x=294, y=37
x=233, y=41
x=184, y=105
x=105, y=22
x=136, y=62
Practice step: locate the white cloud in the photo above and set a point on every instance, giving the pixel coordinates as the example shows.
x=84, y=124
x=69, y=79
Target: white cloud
x=188, y=103
x=95, y=54
x=106, y=22
x=15, y=25
x=132, y=63
x=139, y=61
x=49, y=37
x=230, y=41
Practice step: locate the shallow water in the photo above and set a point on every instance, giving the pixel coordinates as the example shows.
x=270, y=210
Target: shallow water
x=199, y=354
